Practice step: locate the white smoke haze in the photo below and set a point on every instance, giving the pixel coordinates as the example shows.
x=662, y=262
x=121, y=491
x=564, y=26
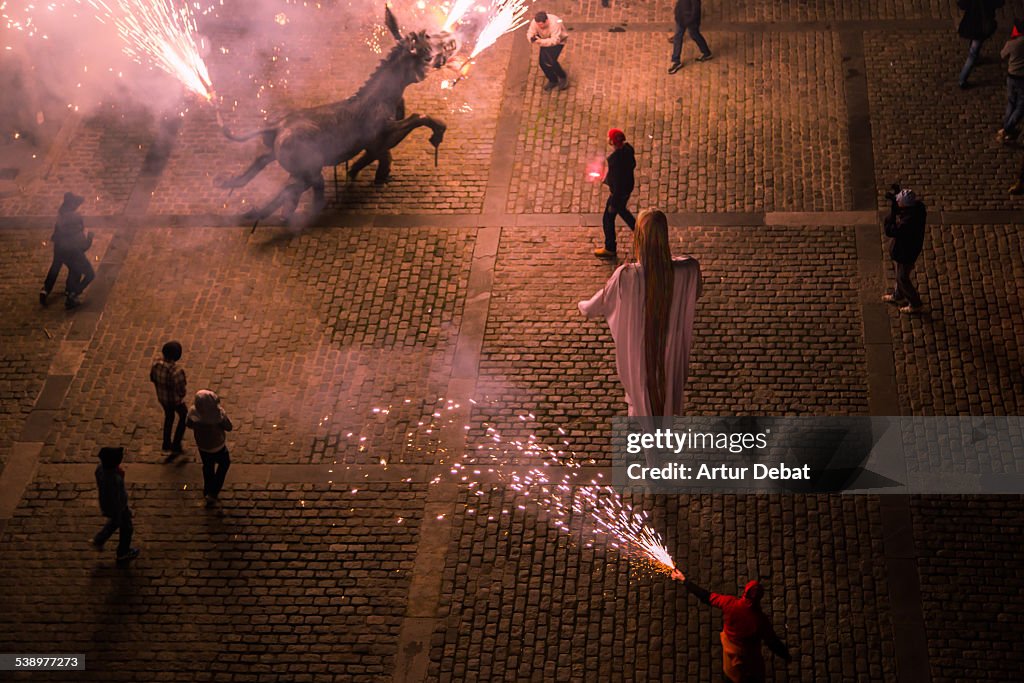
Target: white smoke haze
x=262, y=54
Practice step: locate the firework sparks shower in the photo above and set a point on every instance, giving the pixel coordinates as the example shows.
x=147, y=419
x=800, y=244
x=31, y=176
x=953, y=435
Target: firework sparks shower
x=557, y=487
x=159, y=33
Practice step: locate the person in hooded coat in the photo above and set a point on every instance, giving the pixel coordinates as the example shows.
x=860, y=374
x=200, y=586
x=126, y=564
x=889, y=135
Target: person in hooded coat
x=977, y=25
x=210, y=424
x=744, y=628
x=70, y=242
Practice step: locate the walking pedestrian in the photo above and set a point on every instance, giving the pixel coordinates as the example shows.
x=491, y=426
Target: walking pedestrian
x=905, y=225
x=1013, y=52
x=70, y=244
x=687, y=15
x=548, y=31
x=620, y=180
x=210, y=424
x=170, y=383
x=114, y=504
x=649, y=306
x=977, y=25
x=744, y=627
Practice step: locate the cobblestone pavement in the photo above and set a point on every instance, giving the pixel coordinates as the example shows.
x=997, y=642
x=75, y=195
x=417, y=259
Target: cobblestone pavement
x=912, y=137
x=578, y=612
x=758, y=344
x=963, y=356
x=701, y=137
x=283, y=581
x=300, y=338
x=359, y=359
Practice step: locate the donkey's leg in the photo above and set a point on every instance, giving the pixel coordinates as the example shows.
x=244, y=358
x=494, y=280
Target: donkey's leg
x=361, y=163
x=319, y=201
x=383, y=168
x=295, y=190
x=241, y=180
x=289, y=193
x=437, y=126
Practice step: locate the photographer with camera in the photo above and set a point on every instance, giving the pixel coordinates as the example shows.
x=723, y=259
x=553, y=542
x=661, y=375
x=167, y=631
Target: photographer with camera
x=905, y=225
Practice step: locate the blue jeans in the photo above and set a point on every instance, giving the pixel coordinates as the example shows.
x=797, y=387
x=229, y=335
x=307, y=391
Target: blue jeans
x=616, y=206
x=972, y=58
x=677, y=41
x=904, y=288
x=549, y=63
x=1014, y=105
x=215, y=468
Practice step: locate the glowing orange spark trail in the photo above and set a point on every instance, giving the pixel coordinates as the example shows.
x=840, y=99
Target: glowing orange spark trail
x=158, y=32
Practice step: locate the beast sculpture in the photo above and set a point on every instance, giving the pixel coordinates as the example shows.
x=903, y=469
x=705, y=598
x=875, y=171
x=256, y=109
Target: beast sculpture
x=372, y=121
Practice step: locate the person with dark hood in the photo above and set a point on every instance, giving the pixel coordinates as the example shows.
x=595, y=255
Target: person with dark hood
x=687, y=15
x=905, y=225
x=170, y=383
x=744, y=628
x=620, y=181
x=114, y=504
x=70, y=242
x=548, y=31
x=977, y=25
x=1013, y=54
x=210, y=424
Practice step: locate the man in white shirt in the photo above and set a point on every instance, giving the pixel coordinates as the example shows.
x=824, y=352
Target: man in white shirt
x=548, y=31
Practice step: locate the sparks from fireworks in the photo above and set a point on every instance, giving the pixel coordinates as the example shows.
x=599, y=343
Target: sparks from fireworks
x=557, y=488
x=508, y=18
x=161, y=34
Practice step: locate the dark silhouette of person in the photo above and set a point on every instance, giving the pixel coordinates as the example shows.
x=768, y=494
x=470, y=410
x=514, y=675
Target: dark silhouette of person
x=906, y=226
x=744, y=628
x=70, y=242
x=114, y=504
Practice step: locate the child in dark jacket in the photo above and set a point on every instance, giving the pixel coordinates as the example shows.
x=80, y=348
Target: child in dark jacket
x=114, y=504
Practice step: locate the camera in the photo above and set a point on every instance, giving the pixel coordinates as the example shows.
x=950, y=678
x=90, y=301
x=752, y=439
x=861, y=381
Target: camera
x=894, y=190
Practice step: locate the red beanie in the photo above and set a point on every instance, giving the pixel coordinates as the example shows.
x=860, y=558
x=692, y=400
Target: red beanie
x=616, y=135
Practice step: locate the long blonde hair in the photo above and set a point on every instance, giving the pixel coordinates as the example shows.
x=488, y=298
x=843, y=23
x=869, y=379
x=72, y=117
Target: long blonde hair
x=650, y=243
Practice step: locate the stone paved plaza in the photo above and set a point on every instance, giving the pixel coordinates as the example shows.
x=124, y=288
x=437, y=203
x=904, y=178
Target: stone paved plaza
x=363, y=356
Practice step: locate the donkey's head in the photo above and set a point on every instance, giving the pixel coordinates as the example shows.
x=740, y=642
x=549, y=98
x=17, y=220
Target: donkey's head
x=426, y=50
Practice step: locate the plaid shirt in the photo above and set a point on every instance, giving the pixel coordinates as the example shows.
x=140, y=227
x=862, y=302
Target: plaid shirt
x=169, y=381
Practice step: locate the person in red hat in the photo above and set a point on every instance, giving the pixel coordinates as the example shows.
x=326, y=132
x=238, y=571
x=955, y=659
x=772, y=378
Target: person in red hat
x=620, y=181
x=744, y=628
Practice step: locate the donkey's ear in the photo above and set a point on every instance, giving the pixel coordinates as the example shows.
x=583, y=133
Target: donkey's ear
x=392, y=23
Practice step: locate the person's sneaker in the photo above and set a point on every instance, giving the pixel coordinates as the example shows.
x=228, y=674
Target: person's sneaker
x=549, y=86
x=705, y=58
x=166, y=447
x=911, y=309
x=43, y=295
x=129, y=556
x=97, y=543
x=563, y=83
x=1018, y=188
x=1004, y=137
x=211, y=501
x=601, y=252
x=676, y=66
x=71, y=301
x=892, y=299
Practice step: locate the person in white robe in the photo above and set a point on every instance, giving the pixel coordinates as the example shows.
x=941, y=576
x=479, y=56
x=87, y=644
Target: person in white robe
x=649, y=306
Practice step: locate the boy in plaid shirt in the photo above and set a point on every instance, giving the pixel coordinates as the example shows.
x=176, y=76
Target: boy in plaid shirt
x=169, y=381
